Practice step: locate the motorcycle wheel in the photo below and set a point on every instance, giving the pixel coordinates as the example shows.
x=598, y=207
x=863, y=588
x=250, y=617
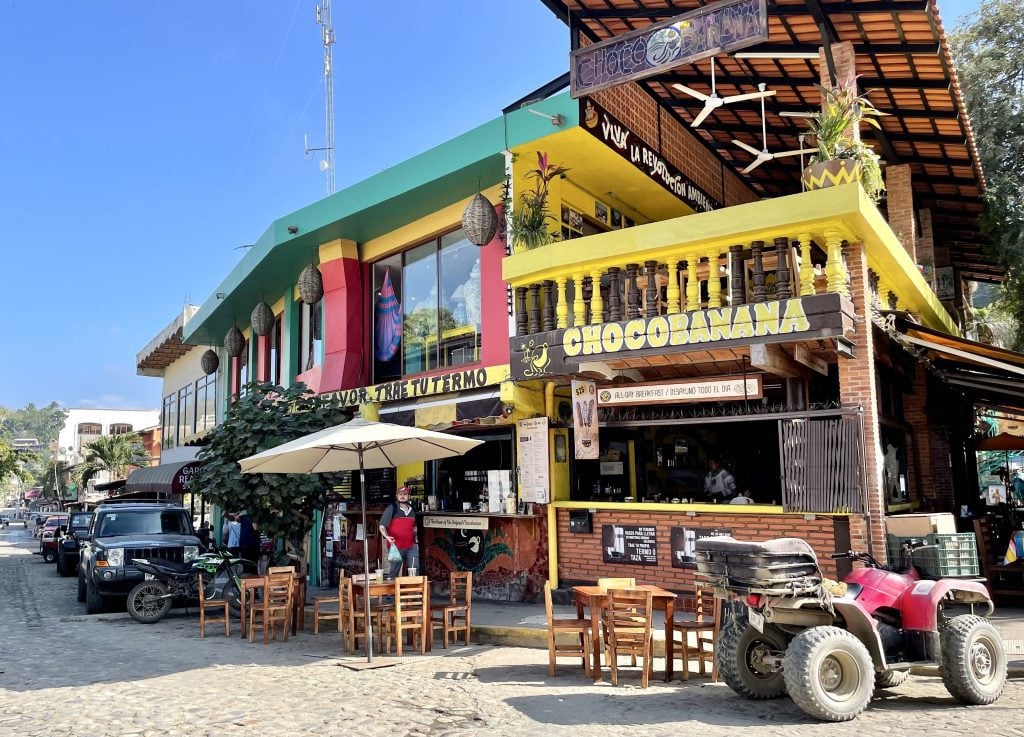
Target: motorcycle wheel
x=973, y=660
x=233, y=597
x=739, y=652
x=148, y=602
x=891, y=678
x=829, y=674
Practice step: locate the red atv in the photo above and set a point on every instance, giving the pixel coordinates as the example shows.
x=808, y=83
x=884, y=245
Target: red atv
x=829, y=644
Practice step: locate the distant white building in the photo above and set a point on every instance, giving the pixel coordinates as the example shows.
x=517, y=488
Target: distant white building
x=83, y=425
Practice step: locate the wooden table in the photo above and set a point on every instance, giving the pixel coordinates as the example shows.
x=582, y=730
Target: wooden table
x=252, y=582
x=596, y=598
x=360, y=587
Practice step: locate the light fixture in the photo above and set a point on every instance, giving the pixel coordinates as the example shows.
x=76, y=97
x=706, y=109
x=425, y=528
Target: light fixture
x=845, y=347
x=556, y=120
x=775, y=55
x=796, y=114
x=293, y=229
x=220, y=295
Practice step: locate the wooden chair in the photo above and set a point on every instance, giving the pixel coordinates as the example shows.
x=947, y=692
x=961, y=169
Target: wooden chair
x=1003, y=581
x=352, y=622
x=705, y=625
x=216, y=604
x=328, y=614
x=411, y=613
x=454, y=616
x=627, y=625
x=275, y=609
x=616, y=583
x=580, y=628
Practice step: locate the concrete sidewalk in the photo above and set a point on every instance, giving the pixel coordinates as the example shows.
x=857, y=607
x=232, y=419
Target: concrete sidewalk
x=518, y=624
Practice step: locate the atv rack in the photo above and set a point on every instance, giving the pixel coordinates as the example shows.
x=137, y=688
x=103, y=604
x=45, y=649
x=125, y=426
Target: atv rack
x=782, y=567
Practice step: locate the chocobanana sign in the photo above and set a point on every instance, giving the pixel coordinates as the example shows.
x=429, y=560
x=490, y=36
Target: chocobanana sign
x=785, y=320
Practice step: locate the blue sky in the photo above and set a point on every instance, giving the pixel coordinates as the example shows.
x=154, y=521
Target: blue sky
x=143, y=142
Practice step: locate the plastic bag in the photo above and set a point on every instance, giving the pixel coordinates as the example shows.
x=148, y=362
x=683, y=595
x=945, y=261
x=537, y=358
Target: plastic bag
x=394, y=554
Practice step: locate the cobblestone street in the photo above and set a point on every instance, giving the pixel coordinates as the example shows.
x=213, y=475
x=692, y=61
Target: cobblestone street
x=63, y=672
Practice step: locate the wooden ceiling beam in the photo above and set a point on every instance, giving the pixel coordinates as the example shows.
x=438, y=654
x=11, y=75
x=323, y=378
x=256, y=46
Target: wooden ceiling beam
x=842, y=8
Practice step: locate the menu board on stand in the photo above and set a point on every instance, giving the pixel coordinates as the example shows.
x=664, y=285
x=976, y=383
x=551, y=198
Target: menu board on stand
x=532, y=444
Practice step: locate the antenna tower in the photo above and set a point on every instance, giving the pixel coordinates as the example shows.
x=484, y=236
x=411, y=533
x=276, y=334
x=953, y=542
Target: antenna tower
x=323, y=19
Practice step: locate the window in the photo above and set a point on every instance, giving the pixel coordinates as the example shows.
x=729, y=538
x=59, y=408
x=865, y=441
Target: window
x=120, y=428
x=426, y=308
x=90, y=428
x=311, y=336
x=169, y=421
x=186, y=412
x=275, y=352
x=206, y=402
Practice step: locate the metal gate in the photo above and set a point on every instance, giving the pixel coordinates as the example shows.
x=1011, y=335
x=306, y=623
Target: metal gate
x=822, y=465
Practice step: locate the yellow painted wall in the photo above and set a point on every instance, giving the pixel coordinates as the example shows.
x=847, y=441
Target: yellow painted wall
x=559, y=470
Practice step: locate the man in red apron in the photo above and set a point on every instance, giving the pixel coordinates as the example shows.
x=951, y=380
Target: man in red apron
x=398, y=526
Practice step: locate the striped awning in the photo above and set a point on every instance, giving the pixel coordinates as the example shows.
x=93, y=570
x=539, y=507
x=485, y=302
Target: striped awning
x=475, y=407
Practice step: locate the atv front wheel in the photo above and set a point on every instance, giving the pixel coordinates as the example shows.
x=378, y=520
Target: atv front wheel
x=973, y=660
x=829, y=674
x=743, y=660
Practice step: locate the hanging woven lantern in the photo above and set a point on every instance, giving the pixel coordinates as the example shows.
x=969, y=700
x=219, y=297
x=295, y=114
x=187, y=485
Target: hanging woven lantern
x=479, y=220
x=234, y=342
x=210, y=362
x=311, y=285
x=262, y=319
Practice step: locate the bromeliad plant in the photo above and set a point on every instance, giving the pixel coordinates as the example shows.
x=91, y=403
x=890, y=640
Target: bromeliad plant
x=528, y=222
x=834, y=130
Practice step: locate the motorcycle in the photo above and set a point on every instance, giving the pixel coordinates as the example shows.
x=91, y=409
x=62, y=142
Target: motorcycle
x=151, y=599
x=829, y=644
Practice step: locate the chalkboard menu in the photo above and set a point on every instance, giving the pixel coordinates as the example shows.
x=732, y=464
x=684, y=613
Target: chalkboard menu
x=683, y=541
x=380, y=485
x=635, y=545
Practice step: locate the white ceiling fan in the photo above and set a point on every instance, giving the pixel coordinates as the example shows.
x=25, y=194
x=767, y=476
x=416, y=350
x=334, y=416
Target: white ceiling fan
x=764, y=154
x=712, y=102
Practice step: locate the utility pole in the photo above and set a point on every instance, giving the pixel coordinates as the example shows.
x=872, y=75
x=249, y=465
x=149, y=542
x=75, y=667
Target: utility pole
x=323, y=19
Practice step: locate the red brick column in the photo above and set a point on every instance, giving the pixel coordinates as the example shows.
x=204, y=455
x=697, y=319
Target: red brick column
x=920, y=483
x=900, y=199
x=857, y=388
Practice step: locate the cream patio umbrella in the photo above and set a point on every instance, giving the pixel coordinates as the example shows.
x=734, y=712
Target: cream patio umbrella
x=357, y=445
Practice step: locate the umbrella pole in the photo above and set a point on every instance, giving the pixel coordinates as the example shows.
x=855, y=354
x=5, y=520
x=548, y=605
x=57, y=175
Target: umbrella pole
x=366, y=563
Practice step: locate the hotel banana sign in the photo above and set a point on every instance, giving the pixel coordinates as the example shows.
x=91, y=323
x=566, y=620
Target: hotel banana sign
x=802, y=318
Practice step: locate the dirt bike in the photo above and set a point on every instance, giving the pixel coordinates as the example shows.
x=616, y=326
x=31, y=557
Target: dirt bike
x=829, y=645
x=166, y=581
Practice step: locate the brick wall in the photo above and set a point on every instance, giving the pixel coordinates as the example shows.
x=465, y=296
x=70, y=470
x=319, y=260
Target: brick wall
x=641, y=114
x=857, y=388
x=900, y=199
x=580, y=556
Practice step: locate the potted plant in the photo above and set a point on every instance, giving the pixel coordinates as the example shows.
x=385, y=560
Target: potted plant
x=528, y=222
x=841, y=156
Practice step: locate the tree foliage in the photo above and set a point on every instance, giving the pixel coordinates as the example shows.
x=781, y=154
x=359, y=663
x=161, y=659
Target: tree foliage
x=988, y=46
x=115, y=454
x=12, y=463
x=281, y=505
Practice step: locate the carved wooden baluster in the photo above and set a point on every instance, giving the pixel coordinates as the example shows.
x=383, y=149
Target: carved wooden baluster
x=758, y=276
x=579, y=307
x=782, y=288
x=714, y=280
x=534, y=308
x=588, y=297
x=876, y=301
x=548, y=314
x=614, y=295
x=737, y=291
x=520, y=310
x=806, y=267
x=846, y=270
x=835, y=269
x=561, y=302
x=672, y=292
x=652, y=294
x=596, y=300
x=632, y=292
x=692, y=284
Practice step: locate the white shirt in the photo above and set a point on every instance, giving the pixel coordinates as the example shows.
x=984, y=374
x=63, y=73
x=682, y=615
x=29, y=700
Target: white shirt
x=741, y=500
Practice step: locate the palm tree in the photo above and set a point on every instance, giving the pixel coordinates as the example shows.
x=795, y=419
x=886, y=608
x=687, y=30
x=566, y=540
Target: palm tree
x=114, y=454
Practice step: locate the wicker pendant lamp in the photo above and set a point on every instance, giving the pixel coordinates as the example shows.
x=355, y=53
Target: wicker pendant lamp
x=311, y=285
x=210, y=361
x=262, y=319
x=234, y=342
x=479, y=220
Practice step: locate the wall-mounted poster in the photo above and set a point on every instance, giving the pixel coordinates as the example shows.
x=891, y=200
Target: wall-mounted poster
x=601, y=211
x=616, y=218
x=532, y=442
x=584, y=420
x=683, y=542
x=635, y=545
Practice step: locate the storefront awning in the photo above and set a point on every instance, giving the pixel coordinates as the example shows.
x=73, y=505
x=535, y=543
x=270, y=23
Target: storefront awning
x=987, y=375
x=168, y=478
x=482, y=407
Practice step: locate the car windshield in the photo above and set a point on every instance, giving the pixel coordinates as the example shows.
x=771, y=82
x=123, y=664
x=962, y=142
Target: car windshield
x=80, y=520
x=143, y=522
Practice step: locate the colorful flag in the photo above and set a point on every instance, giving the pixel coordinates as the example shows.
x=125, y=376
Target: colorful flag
x=387, y=321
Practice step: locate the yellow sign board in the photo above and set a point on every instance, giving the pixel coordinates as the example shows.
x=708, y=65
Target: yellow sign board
x=423, y=386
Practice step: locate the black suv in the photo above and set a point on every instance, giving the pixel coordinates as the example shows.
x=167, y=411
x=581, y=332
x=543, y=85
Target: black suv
x=69, y=542
x=122, y=532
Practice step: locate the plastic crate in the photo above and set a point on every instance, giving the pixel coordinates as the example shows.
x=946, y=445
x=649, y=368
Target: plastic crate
x=944, y=555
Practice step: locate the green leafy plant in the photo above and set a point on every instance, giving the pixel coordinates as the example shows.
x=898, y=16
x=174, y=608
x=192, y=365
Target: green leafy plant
x=115, y=454
x=267, y=415
x=528, y=222
x=834, y=130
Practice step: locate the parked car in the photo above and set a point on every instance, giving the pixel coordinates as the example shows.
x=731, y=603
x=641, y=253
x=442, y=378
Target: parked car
x=48, y=536
x=69, y=543
x=5, y=520
x=119, y=533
